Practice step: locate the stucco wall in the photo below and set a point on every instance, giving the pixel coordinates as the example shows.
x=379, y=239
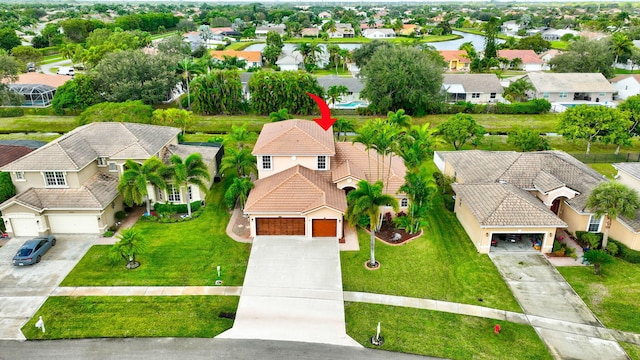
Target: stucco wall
x=280, y=163
x=574, y=220
x=471, y=226
x=625, y=235
x=629, y=180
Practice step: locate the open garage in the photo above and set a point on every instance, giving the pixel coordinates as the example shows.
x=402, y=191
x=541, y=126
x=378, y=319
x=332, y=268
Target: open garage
x=516, y=241
x=280, y=226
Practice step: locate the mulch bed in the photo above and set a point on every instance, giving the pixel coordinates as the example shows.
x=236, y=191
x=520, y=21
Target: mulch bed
x=388, y=231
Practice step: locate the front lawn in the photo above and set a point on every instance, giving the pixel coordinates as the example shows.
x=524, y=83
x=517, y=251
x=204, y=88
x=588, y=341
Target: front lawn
x=632, y=350
x=135, y=316
x=612, y=296
x=442, y=264
x=442, y=334
x=179, y=254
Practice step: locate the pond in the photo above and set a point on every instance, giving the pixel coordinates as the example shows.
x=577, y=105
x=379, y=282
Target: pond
x=476, y=40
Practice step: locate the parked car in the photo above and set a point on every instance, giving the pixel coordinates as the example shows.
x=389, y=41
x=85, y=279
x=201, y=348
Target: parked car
x=31, y=67
x=32, y=250
x=65, y=70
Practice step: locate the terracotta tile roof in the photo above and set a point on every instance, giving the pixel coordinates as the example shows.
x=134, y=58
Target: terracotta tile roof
x=527, y=56
x=81, y=146
x=460, y=55
x=44, y=79
x=251, y=56
x=97, y=193
x=208, y=153
x=505, y=205
x=9, y=153
x=297, y=190
x=294, y=137
x=623, y=77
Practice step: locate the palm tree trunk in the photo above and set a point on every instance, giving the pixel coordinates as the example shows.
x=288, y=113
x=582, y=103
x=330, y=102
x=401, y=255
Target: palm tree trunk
x=188, y=202
x=188, y=93
x=148, y=206
x=372, y=262
x=596, y=268
x=617, y=149
x=605, y=234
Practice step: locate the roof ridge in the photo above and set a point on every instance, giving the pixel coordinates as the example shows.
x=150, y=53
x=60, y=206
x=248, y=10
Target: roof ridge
x=498, y=204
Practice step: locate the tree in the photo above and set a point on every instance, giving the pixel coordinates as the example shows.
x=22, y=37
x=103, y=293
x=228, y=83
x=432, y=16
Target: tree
x=632, y=107
x=51, y=34
x=9, y=70
x=271, y=91
x=491, y=29
x=535, y=43
x=343, y=126
x=184, y=67
x=191, y=171
x=620, y=45
x=239, y=135
x=76, y=94
x=419, y=189
x=280, y=115
x=174, y=116
x=335, y=93
x=517, y=90
x=597, y=258
x=135, y=179
x=588, y=56
x=612, y=199
x=219, y=92
x=460, y=129
x=274, y=46
x=174, y=45
x=131, y=243
x=392, y=82
x=417, y=143
x=7, y=189
x=238, y=191
x=9, y=39
x=399, y=118
x=367, y=200
x=527, y=140
x=364, y=53
x=242, y=161
x=26, y=54
x=594, y=124
x=133, y=75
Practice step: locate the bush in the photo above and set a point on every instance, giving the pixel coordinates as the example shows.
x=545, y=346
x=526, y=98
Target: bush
x=113, y=228
x=449, y=202
x=108, y=234
x=626, y=254
x=11, y=112
x=592, y=239
x=612, y=248
x=171, y=208
x=120, y=215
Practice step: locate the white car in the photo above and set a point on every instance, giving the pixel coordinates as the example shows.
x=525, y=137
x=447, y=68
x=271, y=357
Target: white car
x=66, y=70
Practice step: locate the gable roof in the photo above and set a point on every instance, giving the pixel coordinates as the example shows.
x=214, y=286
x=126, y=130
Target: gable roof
x=250, y=56
x=36, y=78
x=618, y=78
x=79, y=147
x=569, y=82
x=527, y=56
x=295, y=190
x=460, y=55
x=353, y=84
x=505, y=205
x=9, y=153
x=480, y=83
x=294, y=137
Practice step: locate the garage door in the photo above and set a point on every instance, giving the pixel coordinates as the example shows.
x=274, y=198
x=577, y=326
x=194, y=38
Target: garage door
x=73, y=224
x=280, y=226
x=324, y=227
x=24, y=226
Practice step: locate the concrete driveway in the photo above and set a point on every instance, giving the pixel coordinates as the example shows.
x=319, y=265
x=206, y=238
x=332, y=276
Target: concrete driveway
x=543, y=293
x=24, y=289
x=292, y=292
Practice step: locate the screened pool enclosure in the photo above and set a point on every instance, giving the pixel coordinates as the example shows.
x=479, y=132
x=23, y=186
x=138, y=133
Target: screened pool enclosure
x=34, y=94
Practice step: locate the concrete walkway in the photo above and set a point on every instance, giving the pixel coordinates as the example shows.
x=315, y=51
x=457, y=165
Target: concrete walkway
x=292, y=292
x=557, y=311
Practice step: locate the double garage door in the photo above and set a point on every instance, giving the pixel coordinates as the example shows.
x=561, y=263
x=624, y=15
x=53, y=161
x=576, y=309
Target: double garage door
x=295, y=226
x=73, y=224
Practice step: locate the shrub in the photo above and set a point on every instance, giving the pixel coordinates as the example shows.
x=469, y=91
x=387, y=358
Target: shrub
x=108, y=234
x=120, y=215
x=113, y=228
x=171, y=208
x=592, y=239
x=626, y=254
x=556, y=246
x=612, y=248
x=11, y=112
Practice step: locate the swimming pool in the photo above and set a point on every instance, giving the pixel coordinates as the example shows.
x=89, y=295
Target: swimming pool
x=351, y=105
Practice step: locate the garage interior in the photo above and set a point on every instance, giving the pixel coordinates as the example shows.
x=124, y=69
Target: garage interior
x=516, y=241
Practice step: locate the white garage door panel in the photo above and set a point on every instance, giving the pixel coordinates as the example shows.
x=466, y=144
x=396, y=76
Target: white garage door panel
x=73, y=224
x=24, y=226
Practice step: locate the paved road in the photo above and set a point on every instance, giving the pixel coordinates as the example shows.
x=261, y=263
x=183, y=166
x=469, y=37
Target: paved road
x=544, y=294
x=180, y=349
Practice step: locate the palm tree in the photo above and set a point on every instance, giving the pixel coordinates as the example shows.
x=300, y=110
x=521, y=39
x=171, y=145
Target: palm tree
x=187, y=67
x=134, y=180
x=366, y=135
x=367, y=199
x=333, y=50
x=335, y=93
x=517, y=90
x=612, y=199
x=67, y=50
x=241, y=160
x=239, y=135
x=238, y=190
x=597, y=258
x=314, y=50
x=620, y=45
x=343, y=126
x=131, y=243
x=191, y=171
x=399, y=118
x=345, y=55
x=282, y=114
x=305, y=50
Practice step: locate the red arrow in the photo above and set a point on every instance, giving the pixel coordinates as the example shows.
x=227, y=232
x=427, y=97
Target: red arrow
x=325, y=121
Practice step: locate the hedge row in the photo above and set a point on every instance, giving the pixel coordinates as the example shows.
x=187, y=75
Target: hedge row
x=624, y=253
x=535, y=106
x=11, y=112
x=176, y=208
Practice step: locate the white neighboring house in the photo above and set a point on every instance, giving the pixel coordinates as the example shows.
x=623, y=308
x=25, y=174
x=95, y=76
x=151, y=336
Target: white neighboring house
x=261, y=31
x=290, y=61
x=355, y=86
x=378, y=33
x=342, y=31
x=626, y=85
x=556, y=34
x=473, y=88
x=510, y=27
x=570, y=87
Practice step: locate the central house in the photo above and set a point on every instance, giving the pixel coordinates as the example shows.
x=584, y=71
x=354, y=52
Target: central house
x=304, y=176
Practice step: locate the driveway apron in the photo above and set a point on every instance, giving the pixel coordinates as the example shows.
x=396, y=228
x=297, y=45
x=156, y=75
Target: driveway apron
x=24, y=289
x=543, y=292
x=292, y=292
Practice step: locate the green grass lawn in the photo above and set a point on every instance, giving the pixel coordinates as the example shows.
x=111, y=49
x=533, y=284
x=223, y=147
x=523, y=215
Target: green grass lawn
x=135, y=316
x=241, y=45
x=442, y=264
x=179, y=254
x=605, y=169
x=612, y=296
x=632, y=350
x=441, y=334
x=38, y=123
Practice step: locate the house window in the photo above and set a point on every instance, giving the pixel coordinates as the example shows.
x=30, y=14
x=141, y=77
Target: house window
x=19, y=175
x=54, y=178
x=594, y=223
x=113, y=167
x=545, y=95
x=102, y=161
x=492, y=96
x=475, y=95
x=404, y=202
x=173, y=194
x=190, y=192
x=602, y=94
x=563, y=94
x=159, y=196
x=266, y=162
x=322, y=162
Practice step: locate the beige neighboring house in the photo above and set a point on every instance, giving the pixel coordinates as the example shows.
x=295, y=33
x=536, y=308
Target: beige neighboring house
x=570, y=87
x=342, y=31
x=69, y=186
x=531, y=195
x=473, y=88
x=304, y=176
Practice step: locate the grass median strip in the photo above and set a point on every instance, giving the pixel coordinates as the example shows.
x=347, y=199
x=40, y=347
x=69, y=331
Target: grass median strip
x=441, y=334
x=135, y=316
